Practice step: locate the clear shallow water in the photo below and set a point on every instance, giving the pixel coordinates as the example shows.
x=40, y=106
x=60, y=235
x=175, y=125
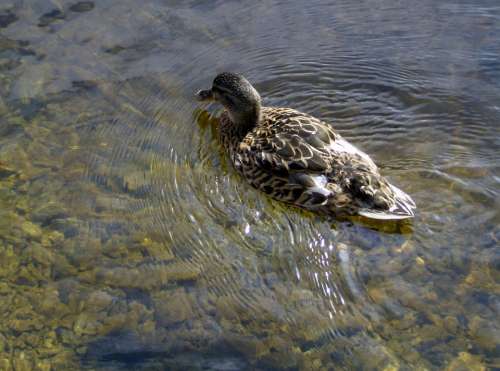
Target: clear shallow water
x=128, y=241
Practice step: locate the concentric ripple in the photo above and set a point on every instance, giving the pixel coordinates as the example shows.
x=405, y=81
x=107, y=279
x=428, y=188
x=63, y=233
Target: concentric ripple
x=325, y=284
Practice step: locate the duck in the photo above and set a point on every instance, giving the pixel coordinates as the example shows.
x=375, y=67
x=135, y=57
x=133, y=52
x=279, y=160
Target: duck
x=299, y=159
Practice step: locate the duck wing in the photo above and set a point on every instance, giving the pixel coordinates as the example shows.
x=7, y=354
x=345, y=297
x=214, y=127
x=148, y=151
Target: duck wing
x=331, y=172
x=291, y=141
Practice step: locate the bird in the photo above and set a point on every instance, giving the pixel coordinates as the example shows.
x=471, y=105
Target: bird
x=299, y=159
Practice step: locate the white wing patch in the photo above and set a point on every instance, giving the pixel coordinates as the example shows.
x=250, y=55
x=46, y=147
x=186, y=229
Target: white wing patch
x=320, y=182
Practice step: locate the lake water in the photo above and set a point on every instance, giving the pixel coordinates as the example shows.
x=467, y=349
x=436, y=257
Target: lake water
x=128, y=241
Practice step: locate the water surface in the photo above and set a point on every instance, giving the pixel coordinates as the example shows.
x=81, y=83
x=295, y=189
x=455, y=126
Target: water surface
x=128, y=241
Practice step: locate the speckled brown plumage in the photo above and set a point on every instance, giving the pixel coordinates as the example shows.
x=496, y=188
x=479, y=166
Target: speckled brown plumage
x=298, y=159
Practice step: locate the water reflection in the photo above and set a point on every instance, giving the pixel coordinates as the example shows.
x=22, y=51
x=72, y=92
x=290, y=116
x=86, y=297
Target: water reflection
x=127, y=240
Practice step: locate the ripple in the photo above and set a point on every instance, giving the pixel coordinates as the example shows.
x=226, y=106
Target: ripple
x=265, y=261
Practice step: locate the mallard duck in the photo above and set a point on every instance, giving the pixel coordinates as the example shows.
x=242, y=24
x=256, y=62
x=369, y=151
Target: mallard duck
x=299, y=159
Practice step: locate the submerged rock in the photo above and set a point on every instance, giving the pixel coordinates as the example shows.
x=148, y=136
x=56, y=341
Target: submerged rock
x=5, y=364
x=249, y=345
x=82, y=6
x=6, y=18
x=87, y=324
x=33, y=231
x=6, y=171
x=485, y=333
x=466, y=362
x=69, y=226
x=22, y=362
x=172, y=307
x=98, y=300
x=50, y=17
x=9, y=261
x=45, y=214
x=159, y=251
x=51, y=305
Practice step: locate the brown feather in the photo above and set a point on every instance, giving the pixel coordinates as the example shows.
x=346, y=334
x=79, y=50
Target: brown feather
x=299, y=159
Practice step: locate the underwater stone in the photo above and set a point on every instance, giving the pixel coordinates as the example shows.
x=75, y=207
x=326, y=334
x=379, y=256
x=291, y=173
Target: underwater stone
x=280, y=353
x=157, y=250
x=51, y=345
x=310, y=361
x=84, y=84
x=135, y=181
x=148, y=327
x=115, y=250
x=22, y=206
x=429, y=333
x=466, y=362
x=68, y=226
x=86, y=324
x=41, y=255
x=47, y=213
x=226, y=308
x=29, y=340
x=248, y=345
x=25, y=324
x=368, y=355
x=172, y=307
x=377, y=294
x=6, y=18
x=9, y=261
x=116, y=322
x=3, y=343
x=32, y=83
x=32, y=230
x=451, y=324
x=117, y=277
x=5, y=364
x=43, y=365
x=183, y=271
x=51, y=305
x=66, y=336
x=6, y=171
x=31, y=275
x=82, y=6
x=81, y=350
x=3, y=106
x=22, y=362
x=51, y=238
x=50, y=17
x=485, y=333
x=62, y=268
x=63, y=360
x=98, y=301
x=114, y=49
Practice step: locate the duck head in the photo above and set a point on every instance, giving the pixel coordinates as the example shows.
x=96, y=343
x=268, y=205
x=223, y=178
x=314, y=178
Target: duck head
x=238, y=97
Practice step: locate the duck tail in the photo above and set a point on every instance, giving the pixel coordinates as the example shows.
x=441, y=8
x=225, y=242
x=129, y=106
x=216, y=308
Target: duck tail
x=403, y=208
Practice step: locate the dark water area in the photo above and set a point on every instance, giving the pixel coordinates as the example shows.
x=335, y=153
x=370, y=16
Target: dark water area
x=127, y=241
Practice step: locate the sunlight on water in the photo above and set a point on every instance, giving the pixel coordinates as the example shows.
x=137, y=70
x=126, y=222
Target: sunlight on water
x=128, y=241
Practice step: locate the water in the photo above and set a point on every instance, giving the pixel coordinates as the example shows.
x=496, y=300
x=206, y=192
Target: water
x=128, y=241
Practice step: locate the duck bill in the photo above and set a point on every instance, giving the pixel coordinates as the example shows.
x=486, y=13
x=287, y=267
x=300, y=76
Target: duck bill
x=205, y=95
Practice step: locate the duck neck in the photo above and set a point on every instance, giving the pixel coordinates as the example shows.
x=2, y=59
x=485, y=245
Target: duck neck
x=245, y=121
